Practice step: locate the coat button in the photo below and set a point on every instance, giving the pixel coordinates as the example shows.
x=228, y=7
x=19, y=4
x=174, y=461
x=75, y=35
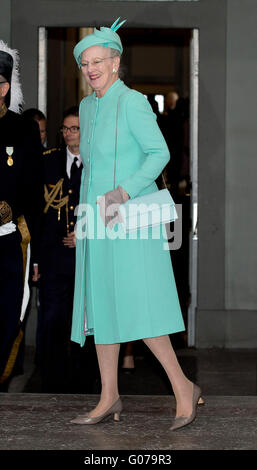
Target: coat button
x=71, y=208
x=71, y=224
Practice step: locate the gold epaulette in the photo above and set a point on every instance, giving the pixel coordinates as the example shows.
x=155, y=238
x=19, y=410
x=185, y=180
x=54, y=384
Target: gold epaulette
x=48, y=152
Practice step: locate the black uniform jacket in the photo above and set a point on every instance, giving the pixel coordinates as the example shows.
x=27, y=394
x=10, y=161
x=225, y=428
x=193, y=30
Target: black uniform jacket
x=21, y=184
x=57, y=223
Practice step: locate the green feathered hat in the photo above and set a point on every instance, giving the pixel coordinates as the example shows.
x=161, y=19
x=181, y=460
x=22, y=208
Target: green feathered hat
x=106, y=37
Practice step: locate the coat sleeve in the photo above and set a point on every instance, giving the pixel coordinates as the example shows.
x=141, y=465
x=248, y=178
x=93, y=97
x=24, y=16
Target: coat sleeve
x=143, y=126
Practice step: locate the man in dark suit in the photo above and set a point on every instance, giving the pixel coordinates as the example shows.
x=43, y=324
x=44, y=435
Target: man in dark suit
x=62, y=175
x=39, y=117
x=20, y=197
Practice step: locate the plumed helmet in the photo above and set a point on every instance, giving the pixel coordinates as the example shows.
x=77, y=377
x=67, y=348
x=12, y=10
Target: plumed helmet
x=9, y=69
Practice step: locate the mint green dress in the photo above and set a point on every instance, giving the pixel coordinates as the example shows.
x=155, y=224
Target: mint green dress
x=124, y=288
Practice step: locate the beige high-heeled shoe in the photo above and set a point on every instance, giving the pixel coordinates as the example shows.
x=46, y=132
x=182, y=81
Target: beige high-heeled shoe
x=115, y=409
x=182, y=421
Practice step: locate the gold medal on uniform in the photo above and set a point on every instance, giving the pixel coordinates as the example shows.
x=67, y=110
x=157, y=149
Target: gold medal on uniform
x=9, y=151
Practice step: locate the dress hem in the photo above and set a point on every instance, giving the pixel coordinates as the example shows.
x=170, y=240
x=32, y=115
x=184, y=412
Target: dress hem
x=129, y=339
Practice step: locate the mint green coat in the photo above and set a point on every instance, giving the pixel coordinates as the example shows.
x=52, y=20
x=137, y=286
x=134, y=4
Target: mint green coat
x=124, y=288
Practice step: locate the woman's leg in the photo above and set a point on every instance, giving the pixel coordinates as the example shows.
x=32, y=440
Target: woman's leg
x=108, y=356
x=162, y=348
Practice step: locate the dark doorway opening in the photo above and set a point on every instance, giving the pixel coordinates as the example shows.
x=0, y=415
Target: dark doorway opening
x=155, y=62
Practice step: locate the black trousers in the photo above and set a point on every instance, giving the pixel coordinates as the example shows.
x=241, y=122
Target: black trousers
x=65, y=366
x=11, y=292
x=56, y=290
x=54, y=328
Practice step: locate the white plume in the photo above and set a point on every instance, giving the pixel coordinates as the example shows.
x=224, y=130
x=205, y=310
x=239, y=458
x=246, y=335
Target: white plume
x=16, y=91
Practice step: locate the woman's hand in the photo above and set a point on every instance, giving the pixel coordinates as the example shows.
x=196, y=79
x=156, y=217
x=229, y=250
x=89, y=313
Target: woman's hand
x=109, y=206
x=70, y=240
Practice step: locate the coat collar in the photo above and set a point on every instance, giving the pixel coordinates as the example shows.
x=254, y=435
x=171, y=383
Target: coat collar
x=114, y=88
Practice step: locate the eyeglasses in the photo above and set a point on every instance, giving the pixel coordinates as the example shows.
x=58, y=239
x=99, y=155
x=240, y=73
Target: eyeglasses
x=72, y=129
x=95, y=63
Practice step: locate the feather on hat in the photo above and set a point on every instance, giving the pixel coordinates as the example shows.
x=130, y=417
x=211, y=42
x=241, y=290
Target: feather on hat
x=106, y=37
x=9, y=69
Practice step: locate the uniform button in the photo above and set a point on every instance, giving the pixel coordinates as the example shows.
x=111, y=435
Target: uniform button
x=71, y=224
x=71, y=208
x=70, y=191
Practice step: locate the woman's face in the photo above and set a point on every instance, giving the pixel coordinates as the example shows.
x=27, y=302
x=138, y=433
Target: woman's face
x=98, y=68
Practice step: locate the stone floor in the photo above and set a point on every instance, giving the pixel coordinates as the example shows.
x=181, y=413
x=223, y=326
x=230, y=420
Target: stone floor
x=228, y=421
x=42, y=422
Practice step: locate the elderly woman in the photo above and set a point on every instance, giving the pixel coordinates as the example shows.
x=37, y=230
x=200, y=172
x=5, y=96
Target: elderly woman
x=124, y=288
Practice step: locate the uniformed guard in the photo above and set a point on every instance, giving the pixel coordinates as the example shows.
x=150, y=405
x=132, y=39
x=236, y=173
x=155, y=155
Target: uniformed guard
x=62, y=175
x=20, y=202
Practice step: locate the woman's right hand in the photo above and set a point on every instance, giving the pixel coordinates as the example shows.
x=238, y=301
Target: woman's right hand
x=109, y=206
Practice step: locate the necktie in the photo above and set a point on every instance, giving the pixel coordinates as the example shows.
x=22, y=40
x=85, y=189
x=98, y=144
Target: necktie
x=74, y=168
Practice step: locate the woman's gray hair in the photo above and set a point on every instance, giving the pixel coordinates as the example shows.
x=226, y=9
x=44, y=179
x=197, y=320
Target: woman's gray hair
x=116, y=53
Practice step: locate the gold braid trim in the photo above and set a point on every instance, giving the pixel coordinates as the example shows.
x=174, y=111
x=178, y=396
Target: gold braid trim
x=3, y=111
x=50, y=197
x=5, y=213
x=51, y=201
x=12, y=358
x=23, y=228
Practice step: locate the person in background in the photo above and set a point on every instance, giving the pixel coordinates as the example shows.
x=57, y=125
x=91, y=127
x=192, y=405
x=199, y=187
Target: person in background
x=62, y=175
x=39, y=117
x=20, y=205
x=171, y=124
x=128, y=362
x=174, y=123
